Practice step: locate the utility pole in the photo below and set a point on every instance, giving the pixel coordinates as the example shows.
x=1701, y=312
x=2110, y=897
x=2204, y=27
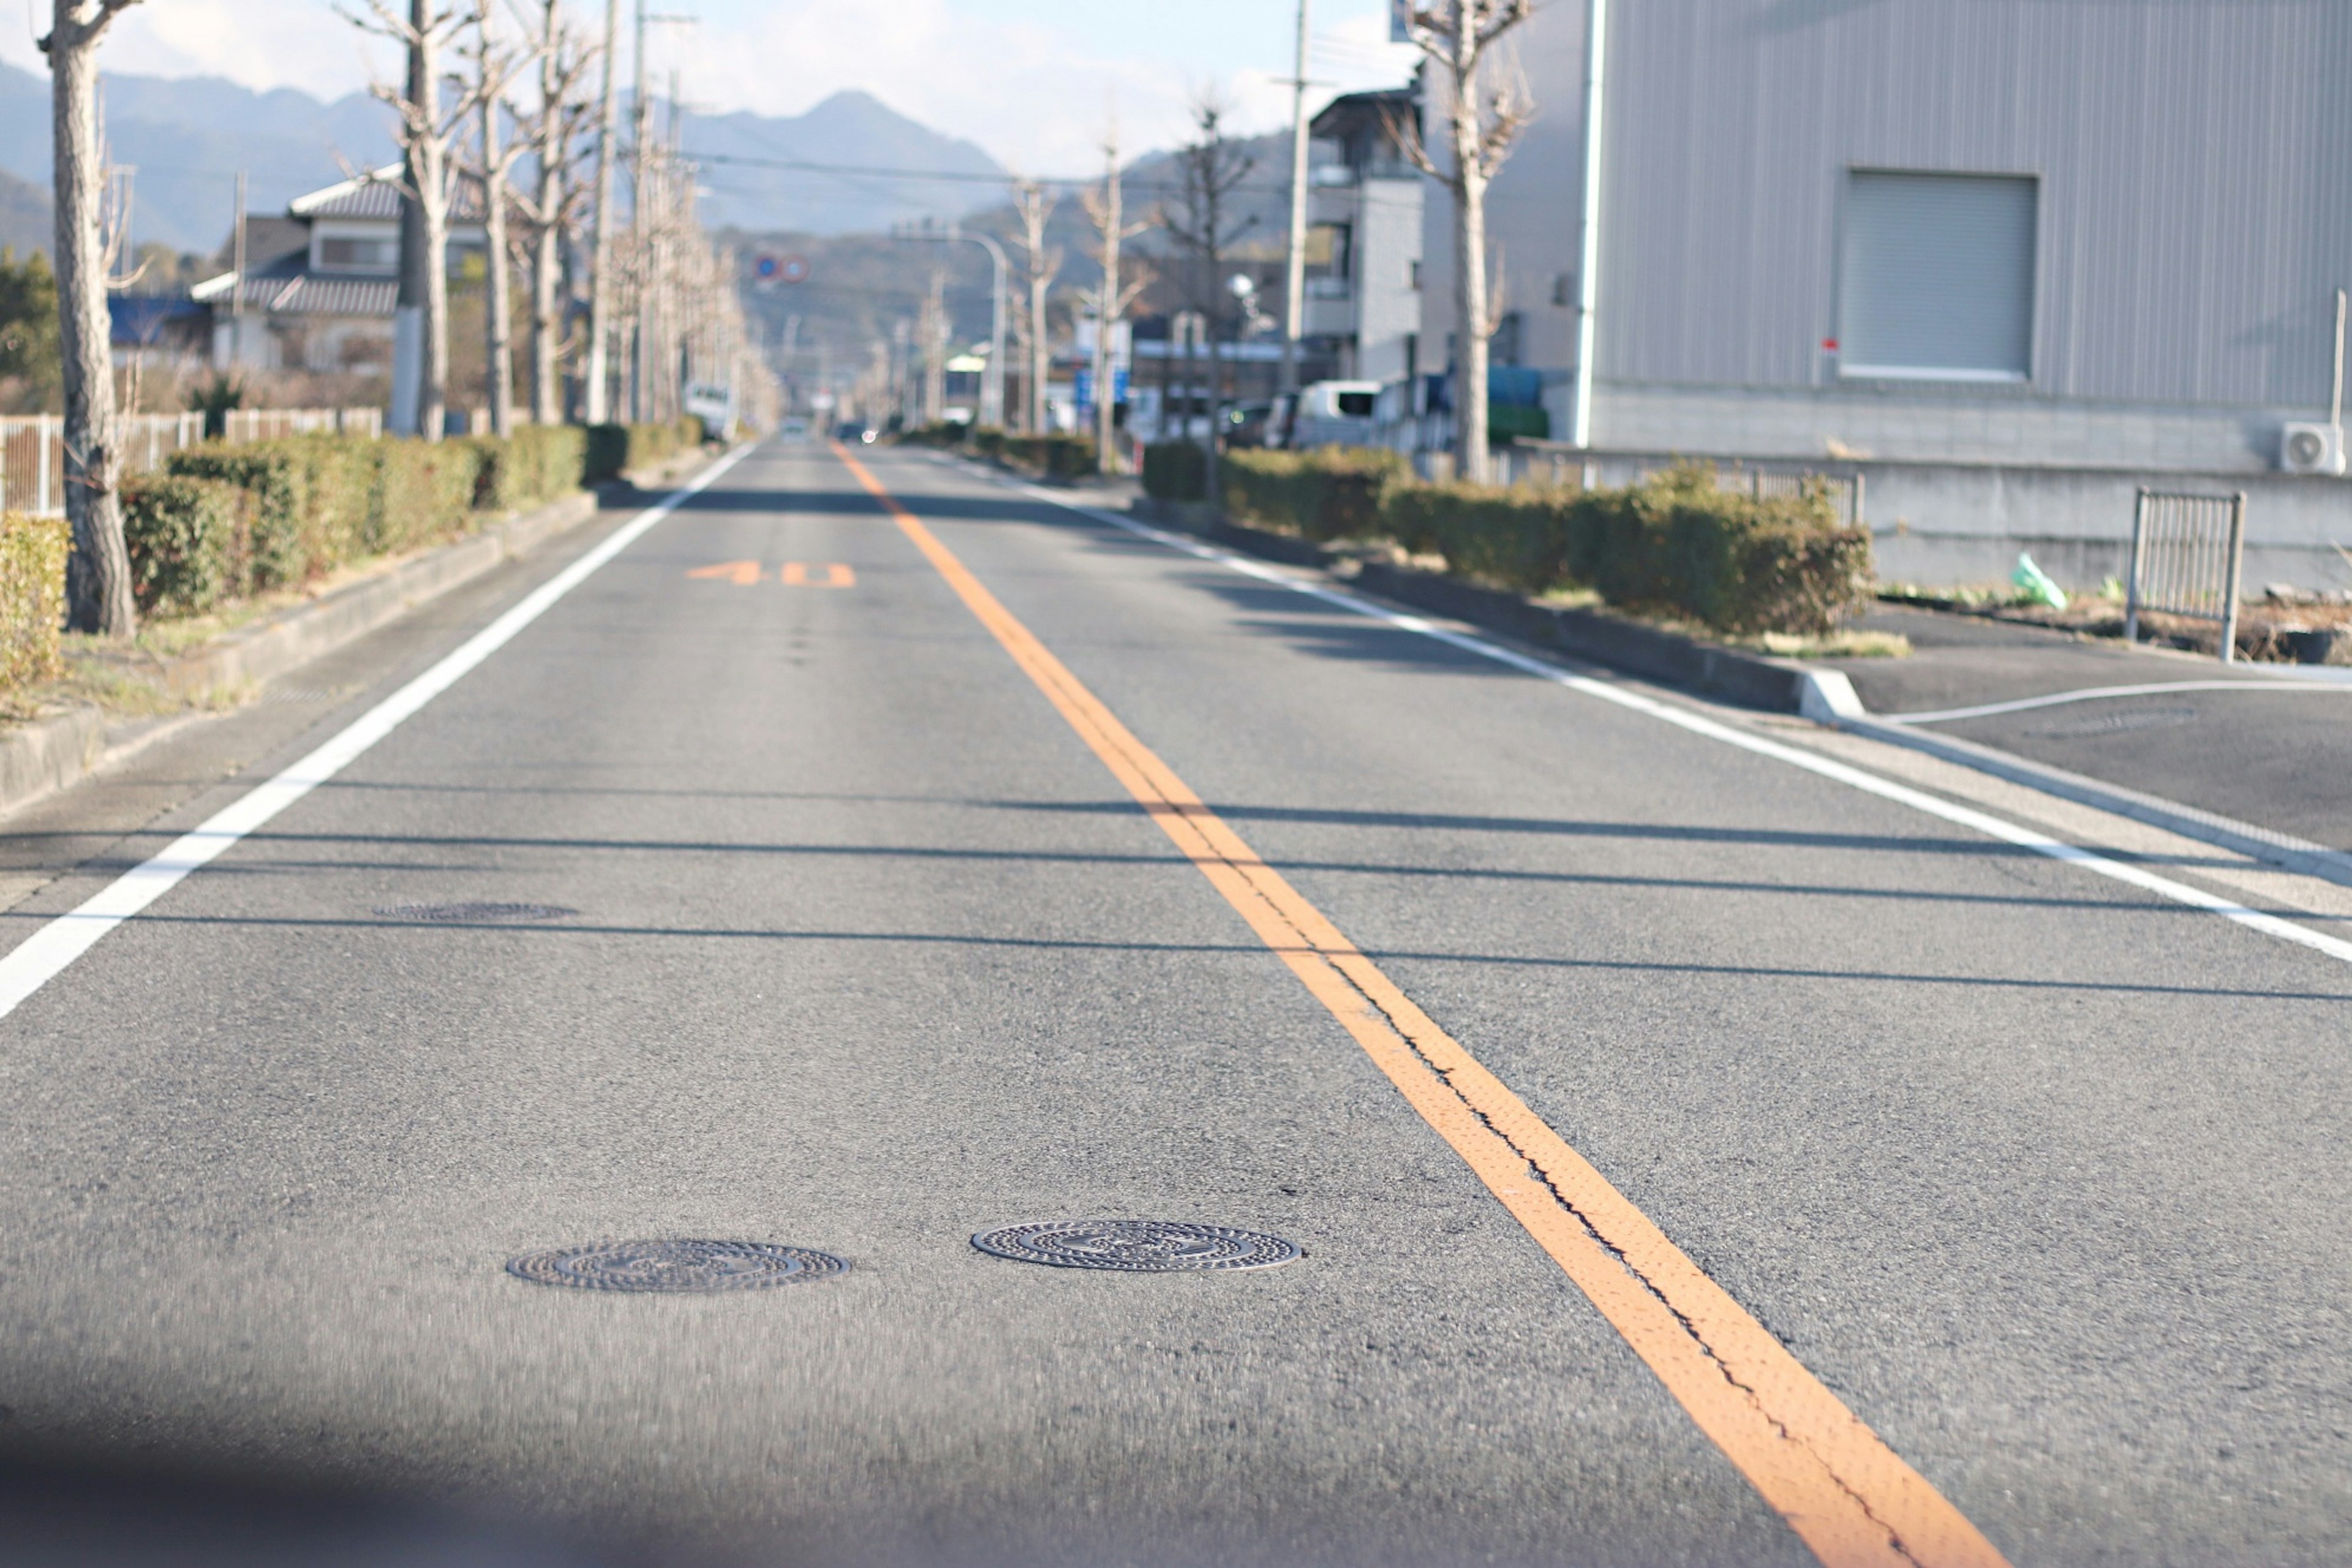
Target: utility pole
x=641, y=116
x=935, y=340
x=1295, y=298
x=600, y=281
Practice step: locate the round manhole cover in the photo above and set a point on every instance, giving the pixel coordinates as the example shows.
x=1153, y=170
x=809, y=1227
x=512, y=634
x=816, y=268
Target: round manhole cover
x=476, y=914
x=1136, y=1246
x=676, y=1266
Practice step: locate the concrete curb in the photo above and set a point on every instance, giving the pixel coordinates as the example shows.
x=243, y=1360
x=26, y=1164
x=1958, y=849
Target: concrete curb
x=50, y=752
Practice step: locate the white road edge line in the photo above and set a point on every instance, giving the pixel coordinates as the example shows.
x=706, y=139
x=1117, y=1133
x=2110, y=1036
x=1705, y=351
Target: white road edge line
x=44, y=954
x=2269, y=686
x=1699, y=724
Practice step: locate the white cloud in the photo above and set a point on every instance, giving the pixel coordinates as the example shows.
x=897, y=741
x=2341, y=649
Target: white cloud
x=258, y=43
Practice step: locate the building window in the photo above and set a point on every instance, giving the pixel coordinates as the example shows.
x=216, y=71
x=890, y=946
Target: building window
x=1937, y=282
x=368, y=253
x=1510, y=338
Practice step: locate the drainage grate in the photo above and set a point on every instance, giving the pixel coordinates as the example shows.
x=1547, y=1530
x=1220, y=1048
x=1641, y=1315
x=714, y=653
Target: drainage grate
x=475, y=914
x=676, y=1266
x=1136, y=1246
x=2119, y=724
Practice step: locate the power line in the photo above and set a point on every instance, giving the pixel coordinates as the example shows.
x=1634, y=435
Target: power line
x=869, y=172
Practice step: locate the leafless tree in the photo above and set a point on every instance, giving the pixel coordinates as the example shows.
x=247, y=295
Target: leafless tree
x=1111, y=297
x=98, y=573
x=429, y=123
x=495, y=67
x=1044, y=264
x=1209, y=170
x=1486, y=108
x=556, y=127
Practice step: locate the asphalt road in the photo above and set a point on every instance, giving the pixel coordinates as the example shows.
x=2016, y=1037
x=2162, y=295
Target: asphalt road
x=2041, y=1176
x=2272, y=745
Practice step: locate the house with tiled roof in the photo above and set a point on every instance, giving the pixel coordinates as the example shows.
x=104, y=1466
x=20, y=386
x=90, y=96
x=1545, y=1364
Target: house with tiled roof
x=319, y=282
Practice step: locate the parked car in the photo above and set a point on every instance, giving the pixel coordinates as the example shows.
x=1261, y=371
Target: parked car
x=854, y=433
x=796, y=429
x=1336, y=413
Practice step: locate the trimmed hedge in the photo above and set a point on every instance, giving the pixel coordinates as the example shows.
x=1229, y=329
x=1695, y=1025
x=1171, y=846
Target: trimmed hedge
x=1323, y=493
x=1673, y=544
x=222, y=522
x=1175, y=470
x=1057, y=455
x=614, y=450
x=33, y=552
x=187, y=542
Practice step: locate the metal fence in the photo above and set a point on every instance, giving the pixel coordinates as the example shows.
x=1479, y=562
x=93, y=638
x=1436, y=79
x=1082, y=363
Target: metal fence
x=2188, y=552
x=33, y=453
x=1559, y=466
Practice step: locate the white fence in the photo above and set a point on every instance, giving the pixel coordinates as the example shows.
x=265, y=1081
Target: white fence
x=33, y=454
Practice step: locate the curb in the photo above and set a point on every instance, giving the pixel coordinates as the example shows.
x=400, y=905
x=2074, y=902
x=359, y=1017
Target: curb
x=57, y=749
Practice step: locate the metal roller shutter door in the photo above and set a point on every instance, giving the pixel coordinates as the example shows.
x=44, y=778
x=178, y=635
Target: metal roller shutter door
x=1938, y=280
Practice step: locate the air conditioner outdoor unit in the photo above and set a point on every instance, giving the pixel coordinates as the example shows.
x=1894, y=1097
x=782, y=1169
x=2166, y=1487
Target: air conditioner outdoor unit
x=2311, y=449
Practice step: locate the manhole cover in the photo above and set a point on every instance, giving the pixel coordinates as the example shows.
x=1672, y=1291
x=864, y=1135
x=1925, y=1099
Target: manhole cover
x=676, y=1266
x=2121, y=723
x=472, y=914
x=1136, y=1246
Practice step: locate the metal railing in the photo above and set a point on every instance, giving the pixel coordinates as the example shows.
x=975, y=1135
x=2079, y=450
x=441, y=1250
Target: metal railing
x=2186, y=557
x=33, y=453
x=1561, y=467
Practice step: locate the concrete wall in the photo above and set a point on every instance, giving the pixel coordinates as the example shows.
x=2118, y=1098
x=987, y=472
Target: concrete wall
x=1948, y=524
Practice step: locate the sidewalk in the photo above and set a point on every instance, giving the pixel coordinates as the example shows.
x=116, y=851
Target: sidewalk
x=2267, y=744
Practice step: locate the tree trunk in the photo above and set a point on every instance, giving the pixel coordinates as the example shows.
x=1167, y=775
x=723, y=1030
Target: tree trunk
x=98, y=573
x=547, y=320
x=1040, y=353
x=1106, y=324
x=595, y=392
x=1469, y=269
x=498, y=321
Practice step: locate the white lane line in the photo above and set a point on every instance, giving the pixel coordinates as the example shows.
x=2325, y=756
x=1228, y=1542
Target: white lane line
x=2269, y=686
x=44, y=954
x=1699, y=724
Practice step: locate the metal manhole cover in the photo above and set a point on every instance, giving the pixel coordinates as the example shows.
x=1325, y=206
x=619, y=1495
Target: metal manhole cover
x=2120, y=724
x=475, y=914
x=1136, y=1246
x=676, y=1266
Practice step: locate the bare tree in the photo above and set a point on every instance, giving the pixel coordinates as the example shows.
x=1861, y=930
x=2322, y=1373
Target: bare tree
x=496, y=65
x=596, y=404
x=429, y=125
x=98, y=573
x=1034, y=206
x=1209, y=168
x=556, y=129
x=1110, y=298
x=1486, y=110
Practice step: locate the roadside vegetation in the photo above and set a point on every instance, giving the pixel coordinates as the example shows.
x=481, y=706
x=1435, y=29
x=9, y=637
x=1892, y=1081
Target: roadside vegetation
x=226, y=533
x=1672, y=546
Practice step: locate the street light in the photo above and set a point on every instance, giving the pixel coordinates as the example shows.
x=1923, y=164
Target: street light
x=992, y=380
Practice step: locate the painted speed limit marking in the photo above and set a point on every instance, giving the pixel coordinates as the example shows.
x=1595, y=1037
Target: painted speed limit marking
x=791, y=574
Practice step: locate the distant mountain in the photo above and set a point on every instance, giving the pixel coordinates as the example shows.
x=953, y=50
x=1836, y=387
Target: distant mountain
x=849, y=130
x=24, y=222
x=189, y=138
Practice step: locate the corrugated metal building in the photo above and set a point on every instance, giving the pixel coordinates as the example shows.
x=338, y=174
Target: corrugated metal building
x=2055, y=233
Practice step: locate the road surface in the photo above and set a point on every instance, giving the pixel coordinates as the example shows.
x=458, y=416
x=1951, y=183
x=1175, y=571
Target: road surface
x=895, y=920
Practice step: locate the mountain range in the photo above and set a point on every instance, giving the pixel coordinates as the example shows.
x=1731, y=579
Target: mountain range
x=189, y=138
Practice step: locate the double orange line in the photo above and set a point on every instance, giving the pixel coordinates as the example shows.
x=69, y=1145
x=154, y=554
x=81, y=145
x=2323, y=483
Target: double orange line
x=1848, y=1497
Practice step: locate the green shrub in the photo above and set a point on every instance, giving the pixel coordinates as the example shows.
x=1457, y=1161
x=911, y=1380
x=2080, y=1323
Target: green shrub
x=32, y=598
x=1057, y=455
x=423, y=492
x=1673, y=542
x=1175, y=471
x=186, y=539
x=612, y=450
x=1323, y=493
x=536, y=464
x=306, y=503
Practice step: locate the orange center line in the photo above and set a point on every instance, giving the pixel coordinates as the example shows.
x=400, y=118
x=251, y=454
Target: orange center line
x=1848, y=1497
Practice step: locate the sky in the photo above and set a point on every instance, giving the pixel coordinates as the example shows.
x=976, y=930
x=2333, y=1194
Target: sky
x=1035, y=82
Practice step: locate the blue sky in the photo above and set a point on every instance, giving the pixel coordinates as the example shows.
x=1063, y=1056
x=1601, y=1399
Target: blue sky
x=1034, y=81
